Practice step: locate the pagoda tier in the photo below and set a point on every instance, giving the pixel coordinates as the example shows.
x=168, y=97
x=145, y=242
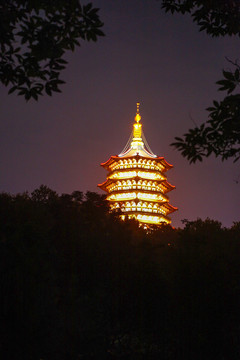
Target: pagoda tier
x=115, y=162
x=136, y=183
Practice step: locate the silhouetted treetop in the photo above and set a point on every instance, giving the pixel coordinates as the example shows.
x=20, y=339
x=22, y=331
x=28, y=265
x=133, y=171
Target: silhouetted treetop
x=220, y=134
x=35, y=35
x=79, y=283
x=216, y=17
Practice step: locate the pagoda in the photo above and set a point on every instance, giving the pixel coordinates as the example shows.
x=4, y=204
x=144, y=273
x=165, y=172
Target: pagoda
x=136, y=183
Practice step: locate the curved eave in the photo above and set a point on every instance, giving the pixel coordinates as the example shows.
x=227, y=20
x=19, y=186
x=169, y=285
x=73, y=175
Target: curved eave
x=165, y=183
x=158, y=159
x=107, y=163
x=168, y=186
x=170, y=208
x=103, y=185
x=166, y=164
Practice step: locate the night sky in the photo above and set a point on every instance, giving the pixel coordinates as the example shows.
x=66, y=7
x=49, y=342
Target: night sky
x=160, y=60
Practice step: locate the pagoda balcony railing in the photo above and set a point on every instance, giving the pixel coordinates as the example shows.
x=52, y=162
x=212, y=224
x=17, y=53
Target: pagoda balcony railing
x=155, y=198
x=136, y=173
x=142, y=210
x=145, y=190
x=137, y=187
x=140, y=166
x=155, y=211
x=137, y=166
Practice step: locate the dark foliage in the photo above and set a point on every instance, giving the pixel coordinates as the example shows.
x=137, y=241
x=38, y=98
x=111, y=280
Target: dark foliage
x=78, y=283
x=216, y=17
x=220, y=134
x=34, y=36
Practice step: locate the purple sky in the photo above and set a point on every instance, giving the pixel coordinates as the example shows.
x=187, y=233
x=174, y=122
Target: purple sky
x=148, y=56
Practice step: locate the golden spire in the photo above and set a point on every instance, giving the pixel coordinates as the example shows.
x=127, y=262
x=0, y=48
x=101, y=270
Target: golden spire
x=137, y=117
x=137, y=131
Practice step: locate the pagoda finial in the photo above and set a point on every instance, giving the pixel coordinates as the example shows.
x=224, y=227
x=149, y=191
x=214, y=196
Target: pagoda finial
x=137, y=130
x=138, y=104
x=137, y=117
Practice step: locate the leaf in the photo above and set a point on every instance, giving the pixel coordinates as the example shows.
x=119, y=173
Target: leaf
x=236, y=74
x=61, y=61
x=12, y=89
x=27, y=96
x=228, y=75
x=48, y=89
x=34, y=95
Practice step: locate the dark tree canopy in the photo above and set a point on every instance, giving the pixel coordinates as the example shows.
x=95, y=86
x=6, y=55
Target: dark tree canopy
x=220, y=134
x=78, y=283
x=216, y=17
x=34, y=36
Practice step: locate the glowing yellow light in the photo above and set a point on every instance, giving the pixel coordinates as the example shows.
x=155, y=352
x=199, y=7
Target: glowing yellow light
x=137, y=131
x=144, y=196
x=151, y=219
x=133, y=183
x=150, y=175
x=141, y=174
x=126, y=164
x=123, y=196
x=123, y=175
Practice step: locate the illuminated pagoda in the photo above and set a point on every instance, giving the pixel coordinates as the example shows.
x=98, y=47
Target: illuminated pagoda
x=136, y=183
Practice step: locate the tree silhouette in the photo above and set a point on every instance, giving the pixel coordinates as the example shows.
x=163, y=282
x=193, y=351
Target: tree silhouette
x=35, y=35
x=78, y=282
x=220, y=134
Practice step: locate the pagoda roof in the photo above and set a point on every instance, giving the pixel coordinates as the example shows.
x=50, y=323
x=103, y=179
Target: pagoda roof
x=117, y=158
x=140, y=151
x=137, y=147
x=162, y=204
x=107, y=182
x=169, y=207
x=135, y=212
